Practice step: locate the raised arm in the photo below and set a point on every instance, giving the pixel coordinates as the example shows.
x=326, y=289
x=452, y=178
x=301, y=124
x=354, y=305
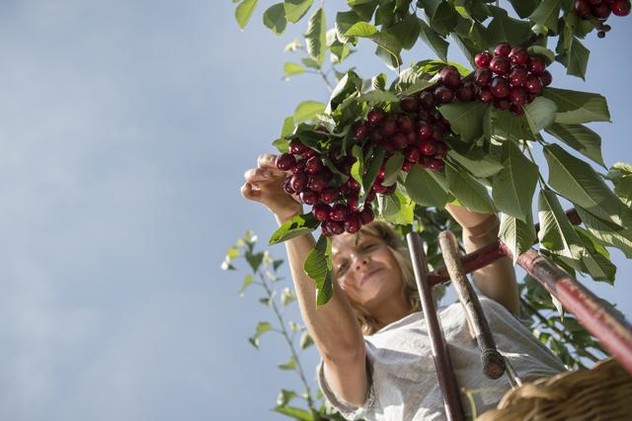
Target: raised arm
x=332, y=326
x=496, y=280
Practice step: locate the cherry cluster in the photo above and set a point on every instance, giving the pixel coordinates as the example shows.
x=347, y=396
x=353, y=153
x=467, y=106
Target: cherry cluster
x=334, y=204
x=600, y=10
x=510, y=78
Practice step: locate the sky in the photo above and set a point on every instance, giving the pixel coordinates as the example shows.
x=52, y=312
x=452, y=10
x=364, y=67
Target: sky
x=125, y=130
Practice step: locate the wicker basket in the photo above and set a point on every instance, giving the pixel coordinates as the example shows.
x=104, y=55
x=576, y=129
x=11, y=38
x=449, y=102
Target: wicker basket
x=603, y=392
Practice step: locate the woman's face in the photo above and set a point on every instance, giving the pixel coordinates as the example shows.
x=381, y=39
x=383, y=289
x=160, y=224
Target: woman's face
x=366, y=270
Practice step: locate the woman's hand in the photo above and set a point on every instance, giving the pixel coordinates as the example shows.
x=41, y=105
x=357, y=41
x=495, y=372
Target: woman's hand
x=264, y=184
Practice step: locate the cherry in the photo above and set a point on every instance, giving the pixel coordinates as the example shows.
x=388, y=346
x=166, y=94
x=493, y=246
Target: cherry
x=466, y=93
x=313, y=165
x=485, y=95
x=316, y=182
x=517, y=76
x=399, y=141
x=353, y=223
x=413, y=155
x=405, y=124
x=296, y=147
x=519, y=56
x=502, y=49
x=299, y=182
x=499, y=87
x=338, y=212
x=546, y=78
x=435, y=165
x=361, y=130
x=388, y=127
x=533, y=85
x=427, y=148
x=335, y=227
x=581, y=8
x=329, y=194
x=537, y=66
x=482, y=76
x=443, y=94
x=518, y=96
x=502, y=103
x=287, y=186
x=321, y=211
x=424, y=131
x=409, y=103
x=621, y=7
x=500, y=65
x=450, y=77
x=375, y=116
x=482, y=59
x=285, y=161
x=366, y=214
x=309, y=197
x=601, y=11
x=426, y=99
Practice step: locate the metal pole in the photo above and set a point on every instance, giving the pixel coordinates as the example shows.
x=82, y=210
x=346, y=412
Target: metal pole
x=440, y=353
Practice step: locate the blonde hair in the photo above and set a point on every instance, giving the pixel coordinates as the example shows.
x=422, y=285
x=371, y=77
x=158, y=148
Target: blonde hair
x=397, y=246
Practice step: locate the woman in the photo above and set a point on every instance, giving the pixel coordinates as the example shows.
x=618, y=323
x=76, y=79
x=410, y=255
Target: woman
x=376, y=357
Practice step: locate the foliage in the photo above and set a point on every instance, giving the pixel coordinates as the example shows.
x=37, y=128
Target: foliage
x=263, y=271
x=491, y=165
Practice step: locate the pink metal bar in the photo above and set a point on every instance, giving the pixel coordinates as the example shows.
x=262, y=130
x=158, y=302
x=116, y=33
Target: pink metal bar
x=614, y=332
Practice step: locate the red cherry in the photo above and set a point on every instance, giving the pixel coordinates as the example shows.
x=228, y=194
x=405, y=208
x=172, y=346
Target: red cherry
x=299, y=182
x=518, y=96
x=502, y=49
x=428, y=148
x=621, y=7
x=443, y=94
x=482, y=76
x=546, y=78
x=285, y=161
x=424, y=131
x=316, y=182
x=329, y=194
x=353, y=223
x=500, y=65
x=335, y=227
x=450, y=77
x=519, y=56
x=581, y=9
x=296, y=147
x=366, y=214
x=313, y=165
x=405, y=124
x=537, y=66
x=413, y=155
x=321, y=211
x=309, y=197
x=410, y=103
x=361, y=130
x=482, y=59
x=339, y=212
x=466, y=93
x=375, y=116
x=601, y=11
x=517, y=76
x=533, y=85
x=426, y=99
x=485, y=95
x=499, y=87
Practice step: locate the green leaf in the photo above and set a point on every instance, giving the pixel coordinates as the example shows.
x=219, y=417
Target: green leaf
x=274, y=18
x=596, y=258
x=389, y=48
x=581, y=138
x=315, y=37
x=296, y=413
x=299, y=225
x=513, y=187
x=479, y=163
x=291, y=364
x=243, y=12
x=296, y=9
x=246, y=283
x=262, y=327
x=540, y=114
x=574, y=107
x=285, y=396
x=524, y=8
x=406, y=31
x=547, y=14
x=349, y=85
x=291, y=69
x=505, y=28
x=374, y=163
x=306, y=341
x=317, y=267
x=308, y=110
x=361, y=29
x=392, y=168
x=517, y=235
x=607, y=232
x=621, y=176
x=398, y=208
x=434, y=41
x=556, y=231
x=442, y=16
x=472, y=194
x=375, y=97
x=344, y=21
x=578, y=182
x=424, y=189
x=466, y=118
x=577, y=59
x=502, y=126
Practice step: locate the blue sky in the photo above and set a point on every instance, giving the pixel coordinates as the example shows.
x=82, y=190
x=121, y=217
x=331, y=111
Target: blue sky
x=125, y=129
